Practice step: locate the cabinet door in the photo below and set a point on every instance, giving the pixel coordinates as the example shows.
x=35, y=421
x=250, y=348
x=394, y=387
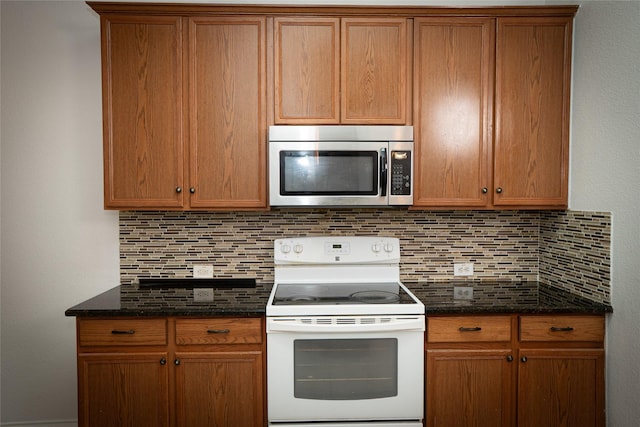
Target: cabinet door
x=453, y=81
x=142, y=108
x=219, y=389
x=227, y=93
x=533, y=72
x=128, y=390
x=374, y=68
x=469, y=388
x=307, y=70
x=561, y=387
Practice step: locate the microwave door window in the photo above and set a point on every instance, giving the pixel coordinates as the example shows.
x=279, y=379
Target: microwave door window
x=329, y=173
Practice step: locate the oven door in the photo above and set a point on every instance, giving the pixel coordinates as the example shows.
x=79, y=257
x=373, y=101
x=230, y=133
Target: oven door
x=342, y=368
x=330, y=173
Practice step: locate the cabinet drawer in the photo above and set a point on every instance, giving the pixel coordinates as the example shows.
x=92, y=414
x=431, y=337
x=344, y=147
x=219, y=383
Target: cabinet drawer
x=105, y=332
x=469, y=329
x=561, y=328
x=218, y=331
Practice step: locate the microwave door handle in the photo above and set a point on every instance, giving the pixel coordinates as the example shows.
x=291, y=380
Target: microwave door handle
x=383, y=172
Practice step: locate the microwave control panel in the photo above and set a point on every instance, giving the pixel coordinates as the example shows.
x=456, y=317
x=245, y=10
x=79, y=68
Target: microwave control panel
x=401, y=173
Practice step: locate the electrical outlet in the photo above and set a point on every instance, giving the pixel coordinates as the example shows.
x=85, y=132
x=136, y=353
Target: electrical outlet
x=462, y=292
x=203, y=271
x=463, y=269
x=202, y=294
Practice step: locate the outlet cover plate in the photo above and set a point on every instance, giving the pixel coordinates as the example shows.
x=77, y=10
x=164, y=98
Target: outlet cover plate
x=463, y=269
x=203, y=271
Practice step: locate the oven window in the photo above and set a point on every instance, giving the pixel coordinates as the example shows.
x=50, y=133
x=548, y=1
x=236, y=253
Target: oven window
x=346, y=369
x=325, y=173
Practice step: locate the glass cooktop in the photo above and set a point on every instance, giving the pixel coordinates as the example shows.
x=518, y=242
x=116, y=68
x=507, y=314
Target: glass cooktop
x=341, y=293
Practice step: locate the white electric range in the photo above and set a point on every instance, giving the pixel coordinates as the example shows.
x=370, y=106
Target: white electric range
x=345, y=338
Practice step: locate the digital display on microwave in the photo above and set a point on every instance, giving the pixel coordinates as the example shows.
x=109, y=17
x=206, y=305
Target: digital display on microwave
x=322, y=173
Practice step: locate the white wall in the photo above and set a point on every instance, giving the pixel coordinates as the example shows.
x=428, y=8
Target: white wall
x=605, y=176
x=59, y=247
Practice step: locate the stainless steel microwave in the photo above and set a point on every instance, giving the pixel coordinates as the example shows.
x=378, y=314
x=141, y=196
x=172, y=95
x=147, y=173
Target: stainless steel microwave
x=340, y=165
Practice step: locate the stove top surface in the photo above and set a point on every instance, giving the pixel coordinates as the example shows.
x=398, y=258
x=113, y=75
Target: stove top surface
x=324, y=299
x=341, y=293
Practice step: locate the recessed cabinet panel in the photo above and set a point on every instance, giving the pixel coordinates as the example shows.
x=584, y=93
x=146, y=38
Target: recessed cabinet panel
x=453, y=86
x=374, y=70
x=307, y=69
x=533, y=74
x=142, y=107
x=227, y=119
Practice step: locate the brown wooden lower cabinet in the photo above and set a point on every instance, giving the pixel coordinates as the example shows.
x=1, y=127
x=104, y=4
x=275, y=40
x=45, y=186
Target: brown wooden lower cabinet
x=515, y=370
x=171, y=372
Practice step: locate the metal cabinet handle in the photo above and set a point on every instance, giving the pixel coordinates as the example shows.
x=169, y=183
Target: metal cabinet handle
x=163, y=361
x=121, y=332
x=474, y=329
x=523, y=359
x=499, y=190
x=176, y=362
x=218, y=331
x=178, y=189
x=561, y=329
x=509, y=358
x=192, y=190
x=485, y=190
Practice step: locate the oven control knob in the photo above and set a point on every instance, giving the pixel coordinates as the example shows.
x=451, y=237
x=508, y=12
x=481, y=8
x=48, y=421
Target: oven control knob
x=388, y=247
x=376, y=247
x=285, y=249
x=297, y=249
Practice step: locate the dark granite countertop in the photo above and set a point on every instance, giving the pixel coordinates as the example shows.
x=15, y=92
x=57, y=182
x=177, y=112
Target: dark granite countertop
x=488, y=297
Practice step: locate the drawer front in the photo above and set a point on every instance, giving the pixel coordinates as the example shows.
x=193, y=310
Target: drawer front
x=561, y=328
x=109, y=332
x=469, y=329
x=218, y=331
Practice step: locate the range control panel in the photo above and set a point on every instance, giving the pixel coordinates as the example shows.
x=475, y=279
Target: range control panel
x=335, y=249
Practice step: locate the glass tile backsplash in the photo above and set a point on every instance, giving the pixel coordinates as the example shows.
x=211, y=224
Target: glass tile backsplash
x=565, y=248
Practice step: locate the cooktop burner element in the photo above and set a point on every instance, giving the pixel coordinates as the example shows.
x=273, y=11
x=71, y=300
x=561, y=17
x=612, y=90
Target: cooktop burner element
x=375, y=297
x=339, y=275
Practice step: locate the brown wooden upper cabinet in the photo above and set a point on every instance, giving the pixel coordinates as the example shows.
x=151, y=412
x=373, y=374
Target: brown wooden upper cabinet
x=453, y=96
x=459, y=64
x=184, y=104
x=331, y=70
x=533, y=76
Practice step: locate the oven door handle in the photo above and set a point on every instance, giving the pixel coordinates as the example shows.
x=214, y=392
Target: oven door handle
x=341, y=325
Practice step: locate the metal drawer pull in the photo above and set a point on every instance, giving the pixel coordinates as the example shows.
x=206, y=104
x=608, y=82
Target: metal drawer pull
x=218, y=331
x=475, y=329
x=559, y=329
x=120, y=332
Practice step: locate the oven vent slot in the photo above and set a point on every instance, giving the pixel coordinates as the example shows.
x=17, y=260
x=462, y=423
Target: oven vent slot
x=346, y=321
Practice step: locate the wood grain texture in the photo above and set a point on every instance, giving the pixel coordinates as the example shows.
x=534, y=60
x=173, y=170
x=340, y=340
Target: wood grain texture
x=448, y=329
x=554, y=328
x=561, y=387
x=469, y=388
x=142, y=107
x=453, y=88
x=533, y=74
x=227, y=64
x=307, y=70
x=197, y=331
x=122, y=332
x=232, y=394
x=374, y=62
x=129, y=390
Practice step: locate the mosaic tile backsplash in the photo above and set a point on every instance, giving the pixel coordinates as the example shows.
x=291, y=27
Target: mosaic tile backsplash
x=503, y=245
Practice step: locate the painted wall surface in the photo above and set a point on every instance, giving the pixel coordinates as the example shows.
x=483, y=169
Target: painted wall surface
x=59, y=247
x=605, y=175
